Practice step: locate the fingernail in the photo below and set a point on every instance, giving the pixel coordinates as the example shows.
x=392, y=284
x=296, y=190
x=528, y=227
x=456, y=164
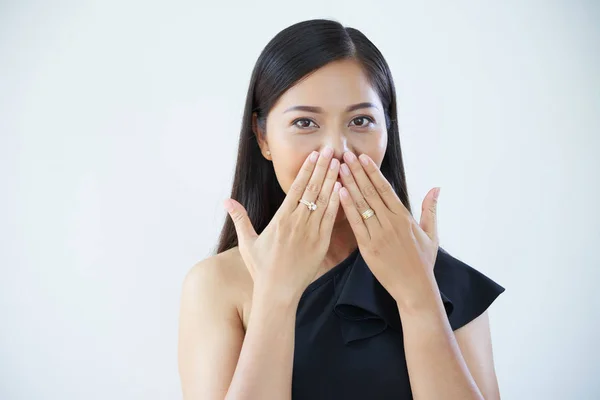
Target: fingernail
x=228, y=205
x=344, y=192
x=345, y=169
x=334, y=163
x=337, y=186
x=327, y=151
x=436, y=193
x=314, y=156
x=349, y=157
x=364, y=159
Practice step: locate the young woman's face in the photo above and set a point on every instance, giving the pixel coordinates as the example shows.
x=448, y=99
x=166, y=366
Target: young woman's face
x=340, y=110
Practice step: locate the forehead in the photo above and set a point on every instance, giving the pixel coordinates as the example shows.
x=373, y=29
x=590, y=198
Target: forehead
x=332, y=87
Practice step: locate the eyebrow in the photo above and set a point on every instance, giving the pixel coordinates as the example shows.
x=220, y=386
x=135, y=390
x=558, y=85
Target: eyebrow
x=319, y=110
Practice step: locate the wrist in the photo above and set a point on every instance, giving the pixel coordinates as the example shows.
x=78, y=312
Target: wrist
x=275, y=295
x=423, y=296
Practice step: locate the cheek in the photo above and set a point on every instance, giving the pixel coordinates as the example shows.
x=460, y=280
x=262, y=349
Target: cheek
x=289, y=155
x=374, y=146
x=287, y=168
x=378, y=156
x=380, y=149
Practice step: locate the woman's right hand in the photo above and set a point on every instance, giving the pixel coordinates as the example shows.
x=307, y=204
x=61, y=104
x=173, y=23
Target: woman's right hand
x=287, y=254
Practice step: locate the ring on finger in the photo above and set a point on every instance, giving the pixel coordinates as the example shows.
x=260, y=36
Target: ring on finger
x=309, y=204
x=367, y=214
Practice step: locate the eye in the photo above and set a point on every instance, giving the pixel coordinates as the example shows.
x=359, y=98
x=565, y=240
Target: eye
x=304, y=123
x=360, y=121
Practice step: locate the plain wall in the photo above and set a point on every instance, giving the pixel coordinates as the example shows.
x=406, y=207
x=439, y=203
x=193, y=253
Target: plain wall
x=119, y=124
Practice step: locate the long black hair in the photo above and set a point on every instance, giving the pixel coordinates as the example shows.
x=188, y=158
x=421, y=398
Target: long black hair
x=292, y=54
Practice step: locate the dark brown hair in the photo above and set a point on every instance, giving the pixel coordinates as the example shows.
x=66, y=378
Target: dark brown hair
x=292, y=54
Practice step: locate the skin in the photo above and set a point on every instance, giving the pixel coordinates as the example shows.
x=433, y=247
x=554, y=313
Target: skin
x=236, y=333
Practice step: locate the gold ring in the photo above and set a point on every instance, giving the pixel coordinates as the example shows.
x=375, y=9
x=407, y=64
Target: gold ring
x=311, y=206
x=367, y=214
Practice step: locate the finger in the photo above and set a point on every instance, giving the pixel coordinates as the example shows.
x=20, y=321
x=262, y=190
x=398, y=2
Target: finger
x=313, y=188
x=354, y=218
x=328, y=186
x=429, y=214
x=330, y=214
x=297, y=188
x=364, y=185
x=243, y=226
x=382, y=185
x=359, y=202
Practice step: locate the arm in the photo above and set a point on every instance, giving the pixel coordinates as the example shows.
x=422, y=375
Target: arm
x=210, y=333
x=475, y=342
x=433, y=353
x=216, y=361
x=264, y=369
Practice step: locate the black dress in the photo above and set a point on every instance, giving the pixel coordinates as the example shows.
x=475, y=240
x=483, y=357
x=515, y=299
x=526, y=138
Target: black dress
x=348, y=340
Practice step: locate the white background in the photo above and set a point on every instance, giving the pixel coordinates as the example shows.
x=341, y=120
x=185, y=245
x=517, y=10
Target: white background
x=119, y=124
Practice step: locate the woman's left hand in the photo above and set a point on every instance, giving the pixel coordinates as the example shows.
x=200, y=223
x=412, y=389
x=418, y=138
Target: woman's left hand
x=399, y=251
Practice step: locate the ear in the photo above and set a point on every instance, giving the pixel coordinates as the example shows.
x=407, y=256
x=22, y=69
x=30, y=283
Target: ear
x=261, y=138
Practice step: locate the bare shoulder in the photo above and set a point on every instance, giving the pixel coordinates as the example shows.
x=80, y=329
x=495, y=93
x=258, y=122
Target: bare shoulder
x=211, y=329
x=225, y=276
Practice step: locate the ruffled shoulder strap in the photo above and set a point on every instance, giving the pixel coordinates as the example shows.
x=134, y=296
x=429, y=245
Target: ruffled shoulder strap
x=366, y=309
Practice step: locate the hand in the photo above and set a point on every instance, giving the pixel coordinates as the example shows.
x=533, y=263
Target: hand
x=286, y=256
x=400, y=252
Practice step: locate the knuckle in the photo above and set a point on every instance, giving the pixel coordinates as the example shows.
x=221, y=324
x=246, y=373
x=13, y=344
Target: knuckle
x=313, y=188
x=238, y=216
x=322, y=200
x=384, y=189
x=296, y=188
x=361, y=204
x=369, y=191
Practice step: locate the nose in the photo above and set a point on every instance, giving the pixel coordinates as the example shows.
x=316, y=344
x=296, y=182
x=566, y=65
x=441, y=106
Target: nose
x=338, y=142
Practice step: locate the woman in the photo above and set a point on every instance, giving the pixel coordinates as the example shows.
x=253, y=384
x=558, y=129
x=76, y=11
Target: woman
x=324, y=285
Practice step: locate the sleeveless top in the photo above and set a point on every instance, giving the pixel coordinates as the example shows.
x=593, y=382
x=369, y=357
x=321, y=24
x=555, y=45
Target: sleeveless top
x=348, y=338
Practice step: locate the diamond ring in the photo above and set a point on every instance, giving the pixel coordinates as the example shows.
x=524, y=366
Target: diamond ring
x=311, y=206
